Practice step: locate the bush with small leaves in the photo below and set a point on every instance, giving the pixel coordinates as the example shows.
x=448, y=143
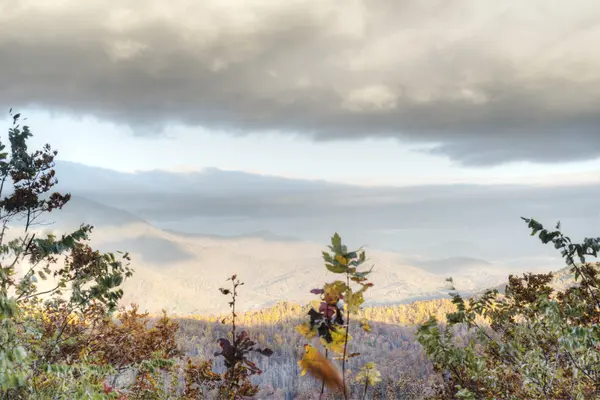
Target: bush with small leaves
x=198, y=378
x=534, y=342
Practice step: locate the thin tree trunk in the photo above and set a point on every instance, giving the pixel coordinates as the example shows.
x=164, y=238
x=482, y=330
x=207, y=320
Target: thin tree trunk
x=323, y=383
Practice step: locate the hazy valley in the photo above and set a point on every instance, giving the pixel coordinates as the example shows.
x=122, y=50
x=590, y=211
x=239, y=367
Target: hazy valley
x=182, y=271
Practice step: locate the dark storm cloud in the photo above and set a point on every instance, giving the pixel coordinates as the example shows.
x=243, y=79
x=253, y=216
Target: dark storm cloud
x=486, y=81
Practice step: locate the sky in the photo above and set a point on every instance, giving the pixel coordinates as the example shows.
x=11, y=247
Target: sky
x=367, y=162
x=377, y=92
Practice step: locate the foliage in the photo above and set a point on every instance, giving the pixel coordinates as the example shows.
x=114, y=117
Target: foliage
x=533, y=342
x=368, y=376
x=235, y=352
x=390, y=344
x=199, y=377
x=80, y=281
x=321, y=368
x=329, y=322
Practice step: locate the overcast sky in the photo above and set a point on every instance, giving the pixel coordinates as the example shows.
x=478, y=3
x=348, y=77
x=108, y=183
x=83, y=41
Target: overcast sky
x=374, y=91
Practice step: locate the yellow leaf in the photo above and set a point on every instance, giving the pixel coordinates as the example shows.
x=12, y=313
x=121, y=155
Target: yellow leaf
x=305, y=330
x=338, y=339
x=342, y=260
x=365, y=325
x=332, y=291
x=321, y=368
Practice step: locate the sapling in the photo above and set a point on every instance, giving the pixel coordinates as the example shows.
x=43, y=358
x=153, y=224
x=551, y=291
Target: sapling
x=236, y=351
x=339, y=300
x=368, y=376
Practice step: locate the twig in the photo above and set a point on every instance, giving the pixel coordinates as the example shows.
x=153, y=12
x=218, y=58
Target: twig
x=346, y=341
x=323, y=383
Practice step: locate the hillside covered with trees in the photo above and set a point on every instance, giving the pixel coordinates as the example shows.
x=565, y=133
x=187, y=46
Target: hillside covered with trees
x=70, y=339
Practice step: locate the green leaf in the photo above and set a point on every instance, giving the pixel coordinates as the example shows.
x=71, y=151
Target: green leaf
x=362, y=256
x=336, y=268
x=336, y=243
x=363, y=273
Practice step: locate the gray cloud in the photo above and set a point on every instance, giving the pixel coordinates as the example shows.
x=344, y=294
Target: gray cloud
x=489, y=82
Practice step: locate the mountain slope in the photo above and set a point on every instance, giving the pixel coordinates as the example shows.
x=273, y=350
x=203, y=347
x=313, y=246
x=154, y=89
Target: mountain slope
x=434, y=221
x=182, y=273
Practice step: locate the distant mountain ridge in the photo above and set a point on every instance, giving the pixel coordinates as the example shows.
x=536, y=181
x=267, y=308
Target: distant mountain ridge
x=211, y=181
x=182, y=272
x=265, y=235
x=244, y=229
x=439, y=221
x=81, y=210
x=456, y=264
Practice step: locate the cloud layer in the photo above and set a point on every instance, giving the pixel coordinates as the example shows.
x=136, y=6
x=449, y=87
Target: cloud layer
x=486, y=81
x=436, y=220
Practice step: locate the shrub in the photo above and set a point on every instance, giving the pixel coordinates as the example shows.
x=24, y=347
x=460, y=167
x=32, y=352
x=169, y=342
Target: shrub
x=236, y=379
x=533, y=342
